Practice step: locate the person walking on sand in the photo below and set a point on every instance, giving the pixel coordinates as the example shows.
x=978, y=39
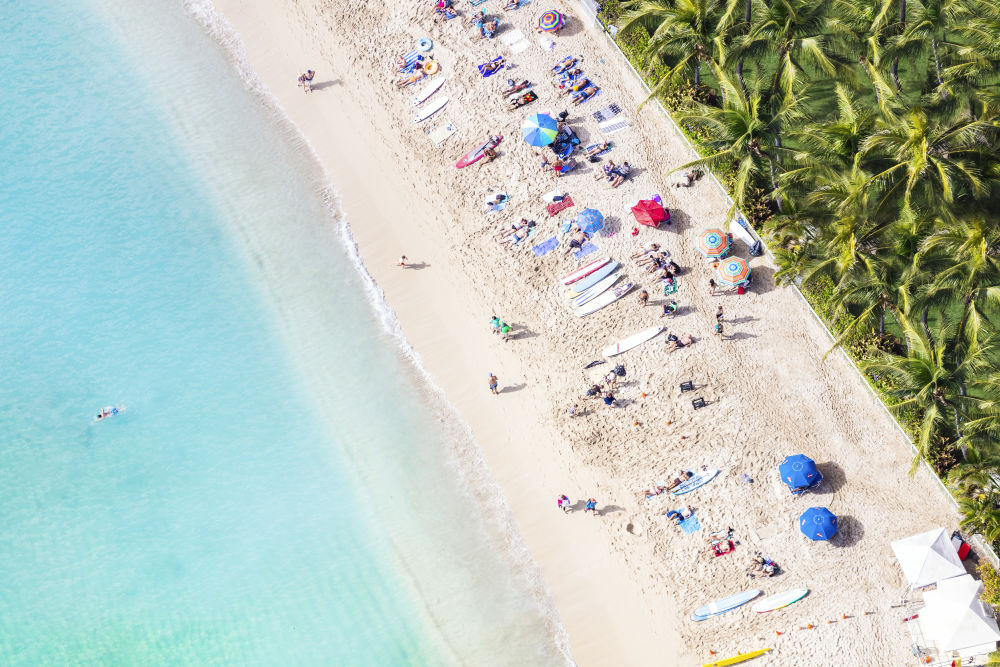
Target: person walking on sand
x=563, y=502
x=591, y=506
x=718, y=330
x=572, y=410
x=609, y=398
x=493, y=384
x=718, y=315
x=305, y=80
x=504, y=332
x=711, y=286
x=402, y=261
x=495, y=324
x=611, y=379
x=643, y=299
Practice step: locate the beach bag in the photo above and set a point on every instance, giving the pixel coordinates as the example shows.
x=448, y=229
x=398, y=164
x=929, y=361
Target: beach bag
x=757, y=249
x=620, y=370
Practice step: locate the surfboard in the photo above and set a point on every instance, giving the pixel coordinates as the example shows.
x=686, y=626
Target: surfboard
x=429, y=111
x=698, y=480
x=585, y=271
x=596, y=290
x=477, y=153
x=584, y=284
x=780, y=600
x=736, y=659
x=722, y=605
x=428, y=90
x=603, y=300
x=627, y=344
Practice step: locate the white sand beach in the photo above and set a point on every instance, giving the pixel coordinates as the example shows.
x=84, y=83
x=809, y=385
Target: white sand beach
x=624, y=583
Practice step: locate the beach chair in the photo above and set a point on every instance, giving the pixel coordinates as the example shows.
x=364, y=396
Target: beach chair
x=698, y=403
x=687, y=385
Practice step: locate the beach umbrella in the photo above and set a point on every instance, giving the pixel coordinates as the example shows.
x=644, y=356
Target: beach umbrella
x=590, y=220
x=539, y=129
x=551, y=21
x=713, y=243
x=818, y=524
x=650, y=213
x=733, y=271
x=799, y=472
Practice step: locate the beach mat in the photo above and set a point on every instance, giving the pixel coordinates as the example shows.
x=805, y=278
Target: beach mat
x=613, y=125
x=480, y=67
x=476, y=3
x=559, y=206
x=520, y=47
x=607, y=113
x=690, y=525
x=440, y=134
x=511, y=36
x=545, y=247
x=585, y=250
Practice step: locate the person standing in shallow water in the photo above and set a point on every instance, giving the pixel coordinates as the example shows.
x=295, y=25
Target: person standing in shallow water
x=494, y=382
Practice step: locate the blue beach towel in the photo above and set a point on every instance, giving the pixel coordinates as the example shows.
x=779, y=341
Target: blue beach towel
x=411, y=58
x=591, y=97
x=585, y=250
x=690, y=524
x=602, y=152
x=545, y=247
x=481, y=67
x=476, y=3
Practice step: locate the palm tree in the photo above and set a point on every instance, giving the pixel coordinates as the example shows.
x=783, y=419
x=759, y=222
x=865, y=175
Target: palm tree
x=931, y=381
x=928, y=159
x=964, y=257
x=685, y=30
x=934, y=20
x=863, y=27
x=741, y=132
x=796, y=30
x=981, y=514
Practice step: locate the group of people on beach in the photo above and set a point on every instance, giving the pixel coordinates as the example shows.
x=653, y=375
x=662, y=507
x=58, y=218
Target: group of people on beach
x=570, y=80
x=566, y=505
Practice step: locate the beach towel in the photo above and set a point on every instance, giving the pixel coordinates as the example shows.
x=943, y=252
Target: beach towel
x=412, y=59
x=531, y=232
x=690, y=524
x=592, y=146
x=613, y=125
x=585, y=250
x=566, y=225
x=545, y=247
x=559, y=205
x=476, y=3
x=483, y=66
x=596, y=93
x=439, y=134
x=607, y=113
x=511, y=36
x=546, y=43
x=550, y=197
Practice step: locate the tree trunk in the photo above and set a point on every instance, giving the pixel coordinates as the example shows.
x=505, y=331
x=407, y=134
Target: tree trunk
x=697, y=73
x=739, y=76
x=746, y=17
x=937, y=66
x=927, y=329
x=895, y=61
x=881, y=323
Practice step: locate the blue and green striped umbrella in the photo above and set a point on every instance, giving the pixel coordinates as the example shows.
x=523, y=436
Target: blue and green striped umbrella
x=539, y=130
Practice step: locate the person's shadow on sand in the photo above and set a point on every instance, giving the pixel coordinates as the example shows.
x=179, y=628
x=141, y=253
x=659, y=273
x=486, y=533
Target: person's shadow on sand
x=326, y=84
x=510, y=389
x=417, y=266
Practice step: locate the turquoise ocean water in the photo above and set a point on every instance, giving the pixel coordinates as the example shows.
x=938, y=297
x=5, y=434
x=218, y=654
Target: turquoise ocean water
x=284, y=487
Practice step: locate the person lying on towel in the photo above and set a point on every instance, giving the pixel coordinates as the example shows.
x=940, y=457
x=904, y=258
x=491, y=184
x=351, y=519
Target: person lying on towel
x=488, y=68
x=584, y=95
x=412, y=79
x=521, y=100
x=564, y=64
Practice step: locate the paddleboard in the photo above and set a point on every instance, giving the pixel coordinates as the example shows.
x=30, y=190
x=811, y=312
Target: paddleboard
x=596, y=290
x=429, y=111
x=780, y=600
x=722, y=605
x=428, y=90
x=736, y=659
x=626, y=344
x=585, y=271
x=581, y=286
x=700, y=479
x=477, y=153
x=603, y=300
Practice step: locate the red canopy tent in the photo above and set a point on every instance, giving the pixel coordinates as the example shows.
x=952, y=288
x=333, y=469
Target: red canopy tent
x=650, y=213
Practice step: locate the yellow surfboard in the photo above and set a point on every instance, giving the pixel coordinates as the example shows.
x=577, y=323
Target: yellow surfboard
x=737, y=658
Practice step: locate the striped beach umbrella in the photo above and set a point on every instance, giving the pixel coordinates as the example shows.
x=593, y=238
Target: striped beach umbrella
x=539, y=129
x=733, y=271
x=551, y=21
x=590, y=220
x=818, y=524
x=713, y=243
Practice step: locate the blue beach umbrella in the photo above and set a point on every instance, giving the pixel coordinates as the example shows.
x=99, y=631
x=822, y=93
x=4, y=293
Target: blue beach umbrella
x=590, y=220
x=539, y=130
x=818, y=524
x=799, y=472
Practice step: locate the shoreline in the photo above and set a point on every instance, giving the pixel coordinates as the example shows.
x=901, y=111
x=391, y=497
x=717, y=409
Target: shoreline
x=613, y=585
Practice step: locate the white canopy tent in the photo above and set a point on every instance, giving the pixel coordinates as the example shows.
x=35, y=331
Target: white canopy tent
x=954, y=619
x=927, y=558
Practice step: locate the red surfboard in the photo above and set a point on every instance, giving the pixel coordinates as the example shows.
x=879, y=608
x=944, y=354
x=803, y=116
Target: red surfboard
x=476, y=154
x=585, y=271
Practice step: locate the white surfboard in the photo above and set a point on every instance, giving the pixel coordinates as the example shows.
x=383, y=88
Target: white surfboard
x=603, y=300
x=699, y=480
x=780, y=600
x=428, y=90
x=584, y=284
x=430, y=110
x=627, y=344
x=722, y=605
x=596, y=290
x=585, y=271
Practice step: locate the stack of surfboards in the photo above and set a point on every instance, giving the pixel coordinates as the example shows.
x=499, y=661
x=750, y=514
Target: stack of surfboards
x=589, y=285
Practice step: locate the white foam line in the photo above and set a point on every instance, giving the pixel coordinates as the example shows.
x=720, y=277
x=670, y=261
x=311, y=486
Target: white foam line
x=477, y=479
